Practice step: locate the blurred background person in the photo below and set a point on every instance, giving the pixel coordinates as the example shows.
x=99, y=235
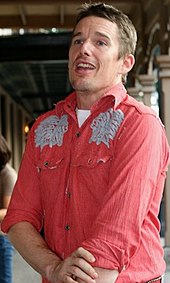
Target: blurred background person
x=8, y=178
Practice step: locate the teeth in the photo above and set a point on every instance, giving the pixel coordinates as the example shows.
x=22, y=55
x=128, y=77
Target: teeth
x=85, y=65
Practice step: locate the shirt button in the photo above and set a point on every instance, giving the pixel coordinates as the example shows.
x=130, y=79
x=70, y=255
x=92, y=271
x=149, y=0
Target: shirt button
x=67, y=227
x=78, y=134
x=69, y=194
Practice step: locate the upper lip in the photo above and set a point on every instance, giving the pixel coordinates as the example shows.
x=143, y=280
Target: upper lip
x=84, y=63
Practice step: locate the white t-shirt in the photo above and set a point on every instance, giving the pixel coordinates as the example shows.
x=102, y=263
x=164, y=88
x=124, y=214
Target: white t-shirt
x=82, y=115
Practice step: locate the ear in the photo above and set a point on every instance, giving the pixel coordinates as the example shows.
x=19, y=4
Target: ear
x=127, y=64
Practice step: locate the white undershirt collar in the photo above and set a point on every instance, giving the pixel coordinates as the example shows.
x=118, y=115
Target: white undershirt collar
x=82, y=115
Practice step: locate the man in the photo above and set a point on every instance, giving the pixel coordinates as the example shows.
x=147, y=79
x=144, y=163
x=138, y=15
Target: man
x=94, y=168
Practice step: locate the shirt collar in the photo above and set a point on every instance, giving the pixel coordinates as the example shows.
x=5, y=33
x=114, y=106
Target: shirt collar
x=117, y=93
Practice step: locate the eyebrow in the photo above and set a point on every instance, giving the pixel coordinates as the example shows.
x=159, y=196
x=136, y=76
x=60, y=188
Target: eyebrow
x=76, y=34
x=102, y=35
x=96, y=33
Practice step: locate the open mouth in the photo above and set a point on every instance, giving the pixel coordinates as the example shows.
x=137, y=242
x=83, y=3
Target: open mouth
x=85, y=66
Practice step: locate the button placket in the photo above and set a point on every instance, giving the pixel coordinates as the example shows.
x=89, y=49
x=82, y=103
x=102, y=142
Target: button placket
x=67, y=227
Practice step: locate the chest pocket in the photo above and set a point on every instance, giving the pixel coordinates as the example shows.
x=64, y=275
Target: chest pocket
x=52, y=181
x=90, y=161
x=50, y=158
x=50, y=164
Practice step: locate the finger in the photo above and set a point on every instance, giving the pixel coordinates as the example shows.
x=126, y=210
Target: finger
x=82, y=276
x=70, y=279
x=81, y=252
x=82, y=266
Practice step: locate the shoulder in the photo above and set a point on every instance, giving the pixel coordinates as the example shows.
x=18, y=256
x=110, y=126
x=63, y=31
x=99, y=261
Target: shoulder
x=9, y=173
x=138, y=106
x=57, y=112
x=44, y=116
x=8, y=169
x=137, y=111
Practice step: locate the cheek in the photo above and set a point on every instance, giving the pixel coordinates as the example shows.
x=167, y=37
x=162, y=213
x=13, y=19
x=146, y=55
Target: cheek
x=112, y=65
x=71, y=58
x=70, y=61
x=109, y=68
x=70, y=54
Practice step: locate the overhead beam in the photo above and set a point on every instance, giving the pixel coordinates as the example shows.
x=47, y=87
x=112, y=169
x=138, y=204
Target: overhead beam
x=37, y=21
x=60, y=20
x=45, y=2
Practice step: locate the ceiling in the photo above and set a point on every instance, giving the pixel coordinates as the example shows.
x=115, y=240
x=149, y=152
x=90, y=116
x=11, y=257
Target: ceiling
x=33, y=69
x=33, y=61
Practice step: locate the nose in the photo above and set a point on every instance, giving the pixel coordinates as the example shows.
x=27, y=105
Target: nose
x=86, y=48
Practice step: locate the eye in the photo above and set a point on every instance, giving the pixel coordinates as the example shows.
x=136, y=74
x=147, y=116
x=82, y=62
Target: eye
x=101, y=43
x=77, y=41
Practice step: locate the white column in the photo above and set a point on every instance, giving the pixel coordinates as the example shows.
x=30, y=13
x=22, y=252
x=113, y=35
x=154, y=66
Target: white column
x=148, y=87
x=136, y=93
x=164, y=74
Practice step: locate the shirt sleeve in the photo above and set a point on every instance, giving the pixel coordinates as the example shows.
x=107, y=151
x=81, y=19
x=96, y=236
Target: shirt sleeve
x=135, y=187
x=25, y=203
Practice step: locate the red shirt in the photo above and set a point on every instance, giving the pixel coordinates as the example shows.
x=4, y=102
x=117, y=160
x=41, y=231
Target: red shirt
x=98, y=186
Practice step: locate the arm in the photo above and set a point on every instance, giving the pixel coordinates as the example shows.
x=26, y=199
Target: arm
x=8, y=182
x=135, y=186
x=35, y=251
x=6, y=200
x=104, y=275
x=2, y=213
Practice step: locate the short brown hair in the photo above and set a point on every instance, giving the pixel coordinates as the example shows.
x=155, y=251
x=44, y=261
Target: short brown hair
x=127, y=32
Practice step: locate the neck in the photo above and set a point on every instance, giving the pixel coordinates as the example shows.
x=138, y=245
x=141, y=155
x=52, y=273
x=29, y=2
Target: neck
x=86, y=100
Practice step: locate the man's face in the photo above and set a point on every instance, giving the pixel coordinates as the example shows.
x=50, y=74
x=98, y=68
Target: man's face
x=93, y=55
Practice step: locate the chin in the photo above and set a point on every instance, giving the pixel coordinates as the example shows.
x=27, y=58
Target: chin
x=81, y=86
x=81, y=89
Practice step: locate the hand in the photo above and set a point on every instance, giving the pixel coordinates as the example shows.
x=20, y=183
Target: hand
x=76, y=266
x=104, y=275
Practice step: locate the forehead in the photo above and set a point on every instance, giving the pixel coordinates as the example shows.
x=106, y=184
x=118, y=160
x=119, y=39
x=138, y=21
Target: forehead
x=93, y=24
